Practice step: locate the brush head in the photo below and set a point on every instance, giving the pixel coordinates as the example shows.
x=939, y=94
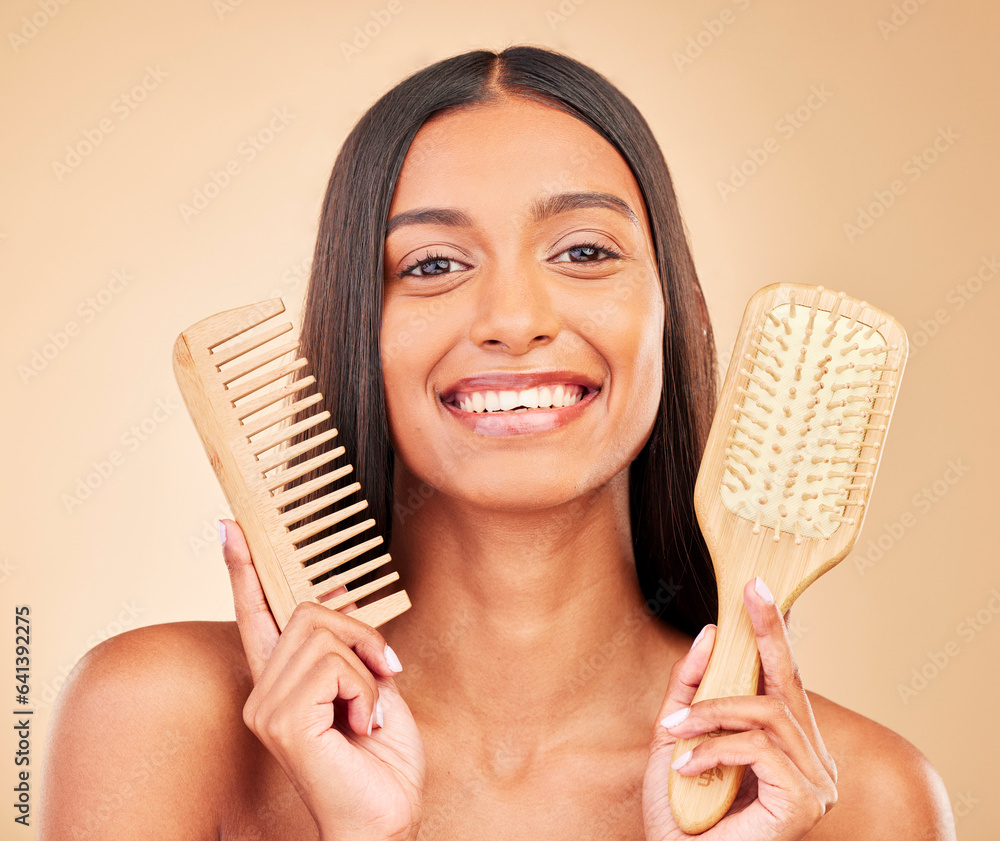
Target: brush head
x=808, y=420
x=802, y=419
x=261, y=421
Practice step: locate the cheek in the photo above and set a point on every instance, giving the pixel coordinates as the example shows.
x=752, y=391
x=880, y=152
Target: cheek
x=647, y=376
x=649, y=339
x=631, y=323
x=412, y=340
x=628, y=331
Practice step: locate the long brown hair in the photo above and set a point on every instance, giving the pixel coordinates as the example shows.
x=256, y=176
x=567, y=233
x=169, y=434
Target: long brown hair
x=341, y=322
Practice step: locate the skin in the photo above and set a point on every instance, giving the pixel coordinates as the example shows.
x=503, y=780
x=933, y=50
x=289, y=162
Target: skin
x=511, y=717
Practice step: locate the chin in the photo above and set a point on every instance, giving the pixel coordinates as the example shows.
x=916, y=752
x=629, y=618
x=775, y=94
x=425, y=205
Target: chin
x=511, y=485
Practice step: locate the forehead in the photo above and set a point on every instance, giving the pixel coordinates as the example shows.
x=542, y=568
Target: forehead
x=509, y=153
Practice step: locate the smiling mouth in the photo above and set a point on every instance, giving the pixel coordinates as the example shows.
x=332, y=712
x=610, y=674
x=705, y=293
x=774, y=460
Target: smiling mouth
x=556, y=396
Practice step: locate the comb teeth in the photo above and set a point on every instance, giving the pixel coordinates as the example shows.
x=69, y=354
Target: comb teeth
x=246, y=399
x=792, y=475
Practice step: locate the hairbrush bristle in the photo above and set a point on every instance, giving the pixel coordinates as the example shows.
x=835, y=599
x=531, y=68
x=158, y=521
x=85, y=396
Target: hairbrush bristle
x=811, y=415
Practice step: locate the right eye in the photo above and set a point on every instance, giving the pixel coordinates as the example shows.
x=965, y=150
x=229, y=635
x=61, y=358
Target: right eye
x=433, y=265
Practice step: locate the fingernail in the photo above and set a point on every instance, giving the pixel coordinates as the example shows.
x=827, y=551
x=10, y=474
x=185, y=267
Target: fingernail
x=222, y=533
x=698, y=638
x=370, y=720
x=681, y=760
x=378, y=713
x=675, y=718
x=762, y=590
x=392, y=659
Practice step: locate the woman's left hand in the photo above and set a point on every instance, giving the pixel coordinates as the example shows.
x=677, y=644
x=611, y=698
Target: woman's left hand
x=791, y=782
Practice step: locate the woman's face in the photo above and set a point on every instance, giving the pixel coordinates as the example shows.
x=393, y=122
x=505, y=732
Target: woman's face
x=523, y=317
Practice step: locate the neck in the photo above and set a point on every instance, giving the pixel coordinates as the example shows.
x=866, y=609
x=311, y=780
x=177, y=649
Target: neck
x=531, y=616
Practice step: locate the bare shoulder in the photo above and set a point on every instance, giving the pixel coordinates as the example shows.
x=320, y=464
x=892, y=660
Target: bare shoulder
x=886, y=787
x=144, y=723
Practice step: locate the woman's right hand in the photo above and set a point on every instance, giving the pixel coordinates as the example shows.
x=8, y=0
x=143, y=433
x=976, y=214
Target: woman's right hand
x=319, y=688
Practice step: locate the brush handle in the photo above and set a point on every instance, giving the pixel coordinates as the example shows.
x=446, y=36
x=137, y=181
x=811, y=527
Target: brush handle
x=698, y=803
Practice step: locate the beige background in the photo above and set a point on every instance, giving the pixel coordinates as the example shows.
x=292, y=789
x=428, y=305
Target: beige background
x=141, y=549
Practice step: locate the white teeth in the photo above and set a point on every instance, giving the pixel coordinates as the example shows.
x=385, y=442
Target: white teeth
x=529, y=398
x=543, y=397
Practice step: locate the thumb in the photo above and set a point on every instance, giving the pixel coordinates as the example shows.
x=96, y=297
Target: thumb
x=258, y=630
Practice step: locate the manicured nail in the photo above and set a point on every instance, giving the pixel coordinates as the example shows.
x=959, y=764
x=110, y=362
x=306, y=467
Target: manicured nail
x=701, y=635
x=392, y=659
x=675, y=718
x=681, y=760
x=378, y=713
x=762, y=590
x=222, y=533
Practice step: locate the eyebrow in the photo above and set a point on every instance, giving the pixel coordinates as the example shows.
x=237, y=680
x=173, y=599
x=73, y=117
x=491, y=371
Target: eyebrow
x=541, y=209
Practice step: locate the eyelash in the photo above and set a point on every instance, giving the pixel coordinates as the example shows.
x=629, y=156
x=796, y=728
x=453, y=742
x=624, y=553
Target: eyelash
x=612, y=254
x=430, y=258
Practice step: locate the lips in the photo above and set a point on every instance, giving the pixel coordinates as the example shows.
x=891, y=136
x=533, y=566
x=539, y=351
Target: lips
x=516, y=403
x=519, y=391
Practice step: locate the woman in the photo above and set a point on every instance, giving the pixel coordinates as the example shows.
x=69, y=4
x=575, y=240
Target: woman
x=505, y=318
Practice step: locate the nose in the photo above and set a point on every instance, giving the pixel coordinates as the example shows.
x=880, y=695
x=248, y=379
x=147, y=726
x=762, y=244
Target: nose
x=514, y=312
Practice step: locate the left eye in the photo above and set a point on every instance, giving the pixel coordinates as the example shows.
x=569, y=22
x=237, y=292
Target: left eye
x=585, y=253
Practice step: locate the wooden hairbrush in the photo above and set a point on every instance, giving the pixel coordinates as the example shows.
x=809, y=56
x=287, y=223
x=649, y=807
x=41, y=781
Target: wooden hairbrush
x=241, y=396
x=787, y=473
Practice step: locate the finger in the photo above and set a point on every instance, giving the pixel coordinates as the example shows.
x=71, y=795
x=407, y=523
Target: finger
x=767, y=713
x=687, y=673
x=782, y=788
x=685, y=676
x=367, y=643
x=779, y=671
x=339, y=591
x=323, y=647
x=684, y=679
x=258, y=630
x=300, y=705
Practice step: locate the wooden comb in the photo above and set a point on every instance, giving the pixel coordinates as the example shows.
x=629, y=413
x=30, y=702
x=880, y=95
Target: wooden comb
x=242, y=395
x=787, y=473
